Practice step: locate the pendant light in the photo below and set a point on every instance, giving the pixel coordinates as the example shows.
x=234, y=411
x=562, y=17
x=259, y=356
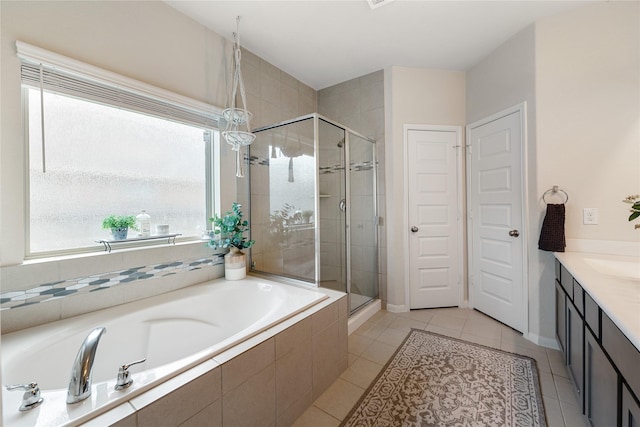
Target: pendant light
x=237, y=128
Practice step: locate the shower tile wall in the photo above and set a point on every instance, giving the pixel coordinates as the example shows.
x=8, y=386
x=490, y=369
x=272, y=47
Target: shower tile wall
x=273, y=96
x=359, y=105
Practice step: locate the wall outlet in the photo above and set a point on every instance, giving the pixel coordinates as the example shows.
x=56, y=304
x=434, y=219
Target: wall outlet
x=590, y=216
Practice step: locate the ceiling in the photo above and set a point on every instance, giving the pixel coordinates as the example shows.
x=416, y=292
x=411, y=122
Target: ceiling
x=322, y=43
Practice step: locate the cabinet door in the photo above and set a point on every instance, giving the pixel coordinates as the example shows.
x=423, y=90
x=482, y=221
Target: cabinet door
x=630, y=409
x=575, y=349
x=600, y=385
x=561, y=322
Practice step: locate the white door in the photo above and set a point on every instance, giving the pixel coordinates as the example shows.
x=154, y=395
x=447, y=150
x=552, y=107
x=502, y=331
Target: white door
x=434, y=272
x=496, y=219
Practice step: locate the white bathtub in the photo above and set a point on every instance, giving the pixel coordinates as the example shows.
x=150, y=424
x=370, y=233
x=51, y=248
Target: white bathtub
x=174, y=331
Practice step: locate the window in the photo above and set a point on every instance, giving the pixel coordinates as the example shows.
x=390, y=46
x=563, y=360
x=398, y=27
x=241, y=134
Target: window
x=108, y=150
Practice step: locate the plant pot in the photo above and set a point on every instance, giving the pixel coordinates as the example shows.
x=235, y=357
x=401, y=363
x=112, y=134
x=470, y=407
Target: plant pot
x=119, y=233
x=235, y=264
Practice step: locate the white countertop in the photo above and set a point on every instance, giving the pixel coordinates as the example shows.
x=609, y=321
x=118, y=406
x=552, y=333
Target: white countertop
x=610, y=281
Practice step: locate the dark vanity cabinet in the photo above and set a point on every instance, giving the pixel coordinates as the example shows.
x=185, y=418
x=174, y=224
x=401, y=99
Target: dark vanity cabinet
x=561, y=318
x=575, y=348
x=601, y=385
x=603, y=363
x=630, y=409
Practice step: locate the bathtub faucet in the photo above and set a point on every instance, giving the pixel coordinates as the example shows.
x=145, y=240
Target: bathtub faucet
x=80, y=382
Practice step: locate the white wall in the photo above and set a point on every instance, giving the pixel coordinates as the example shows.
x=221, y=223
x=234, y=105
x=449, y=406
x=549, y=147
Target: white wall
x=412, y=96
x=588, y=94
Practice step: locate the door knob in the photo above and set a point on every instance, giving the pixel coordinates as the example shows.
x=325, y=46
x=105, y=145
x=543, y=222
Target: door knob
x=514, y=233
x=414, y=229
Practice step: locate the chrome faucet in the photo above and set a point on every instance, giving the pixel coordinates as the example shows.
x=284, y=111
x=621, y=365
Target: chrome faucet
x=80, y=382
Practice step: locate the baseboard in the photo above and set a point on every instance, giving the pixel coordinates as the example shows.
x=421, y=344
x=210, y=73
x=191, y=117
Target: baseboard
x=393, y=308
x=543, y=341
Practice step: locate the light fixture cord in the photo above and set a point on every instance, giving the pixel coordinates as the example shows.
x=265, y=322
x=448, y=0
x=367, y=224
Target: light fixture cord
x=237, y=76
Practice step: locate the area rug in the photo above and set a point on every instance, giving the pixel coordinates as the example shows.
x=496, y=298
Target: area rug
x=433, y=380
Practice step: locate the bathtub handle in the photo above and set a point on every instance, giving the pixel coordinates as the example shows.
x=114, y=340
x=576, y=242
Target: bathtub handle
x=124, y=378
x=31, y=397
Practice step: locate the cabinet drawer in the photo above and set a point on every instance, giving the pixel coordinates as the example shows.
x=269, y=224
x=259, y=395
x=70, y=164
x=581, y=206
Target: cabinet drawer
x=566, y=280
x=558, y=270
x=578, y=297
x=591, y=314
x=624, y=354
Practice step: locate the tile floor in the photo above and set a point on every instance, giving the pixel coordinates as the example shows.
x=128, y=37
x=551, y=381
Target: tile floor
x=371, y=345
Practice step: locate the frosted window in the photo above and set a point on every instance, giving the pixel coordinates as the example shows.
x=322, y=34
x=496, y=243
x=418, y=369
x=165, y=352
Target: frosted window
x=102, y=160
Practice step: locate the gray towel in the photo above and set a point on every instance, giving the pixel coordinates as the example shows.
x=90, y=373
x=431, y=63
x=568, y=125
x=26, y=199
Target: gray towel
x=552, y=232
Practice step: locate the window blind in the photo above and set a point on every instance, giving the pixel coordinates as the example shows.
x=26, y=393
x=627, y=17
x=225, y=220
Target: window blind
x=73, y=83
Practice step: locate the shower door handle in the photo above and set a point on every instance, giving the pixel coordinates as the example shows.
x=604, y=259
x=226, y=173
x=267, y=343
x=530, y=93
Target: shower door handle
x=343, y=205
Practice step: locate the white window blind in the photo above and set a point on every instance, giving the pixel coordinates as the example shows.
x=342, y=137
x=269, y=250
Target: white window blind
x=64, y=75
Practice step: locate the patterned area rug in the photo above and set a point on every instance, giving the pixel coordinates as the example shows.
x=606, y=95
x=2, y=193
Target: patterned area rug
x=434, y=380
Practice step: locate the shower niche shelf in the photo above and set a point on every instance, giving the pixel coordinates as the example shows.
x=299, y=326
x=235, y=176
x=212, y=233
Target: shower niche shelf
x=171, y=238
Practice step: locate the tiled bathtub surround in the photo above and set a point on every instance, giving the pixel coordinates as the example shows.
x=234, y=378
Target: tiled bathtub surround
x=99, y=282
x=269, y=380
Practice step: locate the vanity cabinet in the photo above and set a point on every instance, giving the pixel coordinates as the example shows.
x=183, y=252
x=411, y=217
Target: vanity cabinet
x=603, y=363
x=630, y=409
x=570, y=328
x=561, y=318
x=601, y=385
x=575, y=348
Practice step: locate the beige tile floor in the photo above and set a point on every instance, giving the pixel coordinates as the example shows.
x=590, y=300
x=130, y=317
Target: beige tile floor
x=371, y=346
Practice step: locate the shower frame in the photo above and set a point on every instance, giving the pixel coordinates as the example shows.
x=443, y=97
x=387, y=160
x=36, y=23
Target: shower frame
x=347, y=183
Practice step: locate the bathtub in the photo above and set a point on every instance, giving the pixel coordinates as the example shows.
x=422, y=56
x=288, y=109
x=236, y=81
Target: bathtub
x=174, y=332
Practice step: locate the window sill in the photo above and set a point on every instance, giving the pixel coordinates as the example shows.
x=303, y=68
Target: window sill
x=137, y=246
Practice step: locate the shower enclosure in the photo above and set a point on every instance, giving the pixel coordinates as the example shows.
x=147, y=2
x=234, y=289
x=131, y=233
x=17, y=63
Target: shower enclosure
x=313, y=206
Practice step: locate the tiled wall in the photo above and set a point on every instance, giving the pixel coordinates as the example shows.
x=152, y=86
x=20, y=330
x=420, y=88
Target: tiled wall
x=39, y=292
x=271, y=384
x=273, y=96
x=359, y=105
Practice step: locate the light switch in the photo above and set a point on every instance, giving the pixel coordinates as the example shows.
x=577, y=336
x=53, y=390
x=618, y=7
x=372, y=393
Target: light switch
x=590, y=216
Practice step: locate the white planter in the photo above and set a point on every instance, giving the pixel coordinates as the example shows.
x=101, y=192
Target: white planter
x=235, y=264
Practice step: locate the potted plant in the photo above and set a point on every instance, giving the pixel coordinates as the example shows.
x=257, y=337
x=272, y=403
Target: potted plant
x=634, y=201
x=231, y=228
x=119, y=225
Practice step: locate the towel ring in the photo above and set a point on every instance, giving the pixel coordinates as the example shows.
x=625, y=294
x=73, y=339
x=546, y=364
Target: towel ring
x=555, y=190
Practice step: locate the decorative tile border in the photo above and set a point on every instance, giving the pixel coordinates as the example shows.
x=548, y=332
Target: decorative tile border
x=99, y=282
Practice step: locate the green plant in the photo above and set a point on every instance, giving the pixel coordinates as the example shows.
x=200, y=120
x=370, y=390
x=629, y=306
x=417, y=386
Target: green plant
x=634, y=201
x=306, y=215
x=123, y=221
x=231, y=228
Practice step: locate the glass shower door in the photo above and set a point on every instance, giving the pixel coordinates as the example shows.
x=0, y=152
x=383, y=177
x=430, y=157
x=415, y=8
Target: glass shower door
x=363, y=226
x=282, y=173
x=332, y=206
